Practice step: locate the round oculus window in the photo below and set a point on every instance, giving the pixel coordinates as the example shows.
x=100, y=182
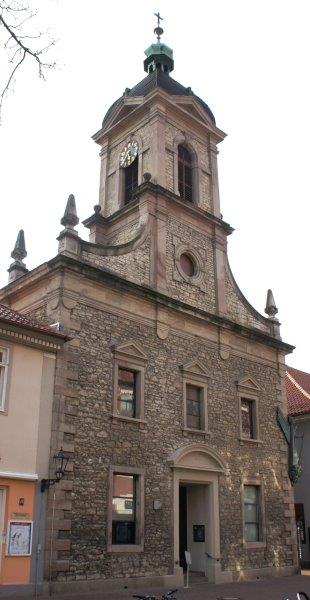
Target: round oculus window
x=187, y=265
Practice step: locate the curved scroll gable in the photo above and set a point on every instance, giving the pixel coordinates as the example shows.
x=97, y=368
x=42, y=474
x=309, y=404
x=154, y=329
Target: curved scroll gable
x=238, y=307
x=197, y=457
x=143, y=231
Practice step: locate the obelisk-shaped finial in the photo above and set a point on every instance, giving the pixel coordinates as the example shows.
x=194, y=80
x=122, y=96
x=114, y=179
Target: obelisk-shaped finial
x=271, y=308
x=70, y=218
x=69, y=241
x=18, y=268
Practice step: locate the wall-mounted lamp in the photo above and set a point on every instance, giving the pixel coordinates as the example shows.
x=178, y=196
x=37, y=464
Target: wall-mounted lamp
x=61, y=461
x=21, y=501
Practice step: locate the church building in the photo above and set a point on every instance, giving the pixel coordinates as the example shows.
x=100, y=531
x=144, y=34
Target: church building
x=167, y=389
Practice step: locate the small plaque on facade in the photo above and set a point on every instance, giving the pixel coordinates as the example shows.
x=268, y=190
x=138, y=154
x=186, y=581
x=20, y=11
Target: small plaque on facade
x=198, y=533
x=21, y=515
x=19, y=538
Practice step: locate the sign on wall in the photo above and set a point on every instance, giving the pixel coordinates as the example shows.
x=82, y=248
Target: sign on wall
x=19, y=538
x=198, y=533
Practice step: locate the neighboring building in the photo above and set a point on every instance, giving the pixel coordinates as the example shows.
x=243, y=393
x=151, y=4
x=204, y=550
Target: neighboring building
x=298, y=400
x=27, y=365
x=166, y=395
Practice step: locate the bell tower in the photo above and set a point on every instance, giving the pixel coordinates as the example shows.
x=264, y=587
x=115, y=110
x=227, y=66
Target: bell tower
x=155, y=118
x=158, y=221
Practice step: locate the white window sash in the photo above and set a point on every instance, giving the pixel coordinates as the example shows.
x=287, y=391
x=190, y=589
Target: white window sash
x=3, y=376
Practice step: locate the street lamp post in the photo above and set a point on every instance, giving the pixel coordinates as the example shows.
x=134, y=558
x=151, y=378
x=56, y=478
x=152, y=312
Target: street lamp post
x=61, y=461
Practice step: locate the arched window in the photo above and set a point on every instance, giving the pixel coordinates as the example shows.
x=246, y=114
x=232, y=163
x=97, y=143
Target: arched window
x=185, y=174
x=130, y=180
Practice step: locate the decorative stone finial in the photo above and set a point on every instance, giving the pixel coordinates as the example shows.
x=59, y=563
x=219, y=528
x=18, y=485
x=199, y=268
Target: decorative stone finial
x=19, y=251
x=97, y=209
x=147, y=176
x=271, y=309
x=69, y=241
x=18, y=268
x=70, y=218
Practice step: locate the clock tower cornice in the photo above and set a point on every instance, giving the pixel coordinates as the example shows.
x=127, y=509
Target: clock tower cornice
x=161, y=103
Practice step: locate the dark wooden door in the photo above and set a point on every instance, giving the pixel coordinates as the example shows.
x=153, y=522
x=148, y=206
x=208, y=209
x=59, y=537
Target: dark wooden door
x=183, y=524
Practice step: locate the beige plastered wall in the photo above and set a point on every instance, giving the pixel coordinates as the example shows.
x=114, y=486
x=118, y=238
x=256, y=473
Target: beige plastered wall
x=25, y=423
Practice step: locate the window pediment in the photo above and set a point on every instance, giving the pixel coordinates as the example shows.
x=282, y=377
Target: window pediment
x=129, y=350
x=195, y=368
x=248, y=383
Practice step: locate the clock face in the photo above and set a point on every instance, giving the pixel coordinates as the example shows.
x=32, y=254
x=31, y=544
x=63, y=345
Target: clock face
x=129, y=154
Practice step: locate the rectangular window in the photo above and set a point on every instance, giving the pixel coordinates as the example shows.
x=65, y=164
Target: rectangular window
x=247, y=418
x=126, y=393
x=124, y=509
x=131, y=180
x=252, y=513
x=300, y=522
x=193, y=406
x=4, y=354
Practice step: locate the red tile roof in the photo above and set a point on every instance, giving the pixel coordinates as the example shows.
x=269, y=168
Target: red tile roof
x=297, y=385
x=13, y=317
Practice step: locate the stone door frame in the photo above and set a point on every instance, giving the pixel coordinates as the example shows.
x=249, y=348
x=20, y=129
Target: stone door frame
x=199, y=464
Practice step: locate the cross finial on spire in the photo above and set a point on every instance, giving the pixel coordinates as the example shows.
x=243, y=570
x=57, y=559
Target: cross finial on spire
x=158, y=30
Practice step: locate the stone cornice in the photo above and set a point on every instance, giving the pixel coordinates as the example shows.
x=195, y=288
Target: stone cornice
x=16, y=334
x=98, y=273
x=153, y=188
x=169, y=101
x=61, y=262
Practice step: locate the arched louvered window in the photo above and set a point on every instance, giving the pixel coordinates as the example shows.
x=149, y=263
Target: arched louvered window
x=185, y=174
x=130, y=180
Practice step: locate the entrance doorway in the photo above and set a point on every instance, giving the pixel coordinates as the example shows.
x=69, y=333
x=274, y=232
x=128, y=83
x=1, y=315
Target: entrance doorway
x=194, y=525
x=196, y=520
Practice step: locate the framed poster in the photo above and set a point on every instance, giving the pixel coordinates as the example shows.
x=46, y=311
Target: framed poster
x=19, y=538
x=198, y=533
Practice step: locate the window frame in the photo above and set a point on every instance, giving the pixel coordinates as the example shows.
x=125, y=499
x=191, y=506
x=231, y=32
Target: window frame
x=189, y=165
x=133, y=168
x=139, y=474
x=133, y=500
x=247, y=389
x=130, y=357
x=5, y=366
x=135, y=388
x=194, y=374
x=261, y=543
x=201, y=403
x=253, y=401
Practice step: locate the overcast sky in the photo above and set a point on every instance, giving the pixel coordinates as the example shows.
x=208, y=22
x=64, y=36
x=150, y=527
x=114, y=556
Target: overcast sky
x=248, y=59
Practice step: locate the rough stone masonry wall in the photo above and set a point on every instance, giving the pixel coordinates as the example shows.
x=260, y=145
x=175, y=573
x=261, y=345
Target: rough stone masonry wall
x=100, y=442
x=237, y=311
x=133, y=265
x=202, y=295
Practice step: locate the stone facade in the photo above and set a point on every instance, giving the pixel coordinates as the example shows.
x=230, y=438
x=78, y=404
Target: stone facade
x=97, y=445
x=126, y=292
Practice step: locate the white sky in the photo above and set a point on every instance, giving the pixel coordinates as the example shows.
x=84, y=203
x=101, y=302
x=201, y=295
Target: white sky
x=248, y=59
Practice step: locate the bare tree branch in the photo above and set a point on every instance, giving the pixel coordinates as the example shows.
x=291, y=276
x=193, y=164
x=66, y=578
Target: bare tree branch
x=16, y=46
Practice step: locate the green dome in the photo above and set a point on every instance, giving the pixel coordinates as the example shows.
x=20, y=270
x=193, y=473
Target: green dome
x=158, y=55
x=159, y=49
